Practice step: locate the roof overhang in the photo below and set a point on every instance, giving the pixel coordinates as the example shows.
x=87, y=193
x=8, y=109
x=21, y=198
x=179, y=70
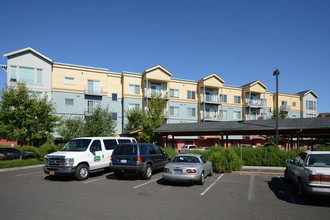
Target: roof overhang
x=25, y=50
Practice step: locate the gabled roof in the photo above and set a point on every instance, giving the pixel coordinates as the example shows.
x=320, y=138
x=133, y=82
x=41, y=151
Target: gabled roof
x=157, y=67
x=255, y=82
x=212, y=75
x=306, y=92
x=27, y=49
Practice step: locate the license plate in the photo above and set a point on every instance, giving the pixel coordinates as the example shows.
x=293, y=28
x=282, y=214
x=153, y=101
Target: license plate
x=51, y=172
x=123, y=161
x=177, y=171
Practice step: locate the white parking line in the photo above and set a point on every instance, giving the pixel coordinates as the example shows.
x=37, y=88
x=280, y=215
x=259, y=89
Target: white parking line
x=25, y=174
x=251, y=188
x=165, y=188
x=135, y=187
x=207, y=189
x=90, y=181
x=287, y=191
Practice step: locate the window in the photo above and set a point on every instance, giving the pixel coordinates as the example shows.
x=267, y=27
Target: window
x=293, y=104
x=264, y=102
x=26, y=75
x=130, y=106
x=223, y=98
x=174, y=93
x=94, y=87
x=97, y=145
x=91, y=104
x=191, y=95
x=69, y=80
x=237, y=99
x=294, y=116
x=174, y=111
x=310, y=115
x=114, y=96
x=310, y=105
x=13, y=76
x=114, y=116
x=110, y=144
x=192, y=112
x=39, y=76
x=237, y=115
x=68, y=101
x=134, y=89
x=223, y=114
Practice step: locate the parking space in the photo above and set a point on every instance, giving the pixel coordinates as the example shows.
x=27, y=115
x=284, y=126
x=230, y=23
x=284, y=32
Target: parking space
x=36, y=195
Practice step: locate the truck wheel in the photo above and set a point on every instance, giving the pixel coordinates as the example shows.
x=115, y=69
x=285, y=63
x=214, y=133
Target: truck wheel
x=82, y=172
x=147, y=172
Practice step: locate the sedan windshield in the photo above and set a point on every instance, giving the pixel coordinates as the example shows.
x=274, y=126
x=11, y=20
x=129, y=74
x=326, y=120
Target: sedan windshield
x=76, y=145
x=185, y=159
x=318, y=160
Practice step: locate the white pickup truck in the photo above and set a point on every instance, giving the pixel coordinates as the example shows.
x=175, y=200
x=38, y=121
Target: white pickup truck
x=185, y=149
x=80, y=156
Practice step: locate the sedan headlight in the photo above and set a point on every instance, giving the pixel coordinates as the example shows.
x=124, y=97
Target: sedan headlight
x=68, y=162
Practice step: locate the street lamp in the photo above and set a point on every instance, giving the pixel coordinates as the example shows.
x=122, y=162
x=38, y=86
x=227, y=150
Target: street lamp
x=276, y=73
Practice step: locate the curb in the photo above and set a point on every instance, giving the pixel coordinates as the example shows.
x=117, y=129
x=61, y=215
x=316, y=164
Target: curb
x=261, y=171
x=20, y=168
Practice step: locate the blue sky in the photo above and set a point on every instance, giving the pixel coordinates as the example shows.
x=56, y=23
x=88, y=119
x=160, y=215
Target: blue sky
x=241, y=41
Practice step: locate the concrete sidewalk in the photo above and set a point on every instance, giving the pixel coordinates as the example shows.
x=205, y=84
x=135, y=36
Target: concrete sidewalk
x=261, y=171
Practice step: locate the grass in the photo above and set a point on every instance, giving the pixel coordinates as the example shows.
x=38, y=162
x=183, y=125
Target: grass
x=20, y=163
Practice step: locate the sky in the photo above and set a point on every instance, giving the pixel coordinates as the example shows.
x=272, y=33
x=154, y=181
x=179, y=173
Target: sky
x=240, y=40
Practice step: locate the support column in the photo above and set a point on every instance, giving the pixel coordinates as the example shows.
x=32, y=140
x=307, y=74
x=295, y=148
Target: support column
x=227, y=142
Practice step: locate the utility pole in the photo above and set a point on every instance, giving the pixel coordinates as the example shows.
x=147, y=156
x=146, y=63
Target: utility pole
x=276, y=73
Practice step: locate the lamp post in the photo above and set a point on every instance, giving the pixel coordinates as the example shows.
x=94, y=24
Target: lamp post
x=276, y=73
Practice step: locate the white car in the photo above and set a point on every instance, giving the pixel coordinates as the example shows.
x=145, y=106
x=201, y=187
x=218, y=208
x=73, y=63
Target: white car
x=310, y=171
x=80, y=156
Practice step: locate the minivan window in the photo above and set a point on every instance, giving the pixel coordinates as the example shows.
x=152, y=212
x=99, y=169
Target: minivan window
x=110, y=144
x=126, y=149
x=158, y=151
x=76, y=145
x=124, y=141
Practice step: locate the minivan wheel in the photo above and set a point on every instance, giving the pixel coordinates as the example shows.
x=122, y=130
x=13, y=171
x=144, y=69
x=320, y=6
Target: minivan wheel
x=147, y=172
x=82, y=172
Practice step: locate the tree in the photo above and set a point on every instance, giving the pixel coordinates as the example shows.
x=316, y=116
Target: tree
x=153, y=118
x=281, y=115
x=134, y=118
x=100, y=123
x=71, y=127
x=24, y=117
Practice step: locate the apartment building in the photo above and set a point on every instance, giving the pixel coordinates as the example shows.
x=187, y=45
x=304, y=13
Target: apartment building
x=77, y=90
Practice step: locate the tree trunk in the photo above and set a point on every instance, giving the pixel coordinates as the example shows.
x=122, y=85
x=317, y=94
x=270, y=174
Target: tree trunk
x=21, y=155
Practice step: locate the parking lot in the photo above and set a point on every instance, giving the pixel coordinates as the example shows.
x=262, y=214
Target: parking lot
x=30, y=194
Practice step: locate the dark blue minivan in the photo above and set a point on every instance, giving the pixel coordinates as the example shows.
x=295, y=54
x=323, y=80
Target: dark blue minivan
x=141, y=158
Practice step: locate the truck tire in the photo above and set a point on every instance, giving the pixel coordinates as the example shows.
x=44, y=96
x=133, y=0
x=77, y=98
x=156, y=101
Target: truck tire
x=82, y=172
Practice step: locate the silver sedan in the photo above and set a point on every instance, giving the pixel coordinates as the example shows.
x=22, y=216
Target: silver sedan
x=188, y=168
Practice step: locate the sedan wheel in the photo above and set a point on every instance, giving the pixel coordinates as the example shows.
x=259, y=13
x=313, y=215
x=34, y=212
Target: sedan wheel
x=201, y=179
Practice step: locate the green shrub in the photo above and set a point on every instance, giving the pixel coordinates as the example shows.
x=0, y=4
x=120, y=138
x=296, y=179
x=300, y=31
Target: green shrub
x=19, y=163
x=170, y=151
x=47, y=148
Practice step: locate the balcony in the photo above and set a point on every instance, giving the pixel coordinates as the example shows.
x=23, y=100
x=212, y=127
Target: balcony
x=162, y=92
x=211, y=100
x=211, y=117
x=285, y=108
x=89, y=111
x=255, y=103
x=95, y=91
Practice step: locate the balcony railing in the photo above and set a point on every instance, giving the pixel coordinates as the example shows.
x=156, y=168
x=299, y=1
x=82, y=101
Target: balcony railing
x=91, y=90
x=255, y=103
x=89, y=110
x=285, y=108
x=162, y=92
x=211, y=99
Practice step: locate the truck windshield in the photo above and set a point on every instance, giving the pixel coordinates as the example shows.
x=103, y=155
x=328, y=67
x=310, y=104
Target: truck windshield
x=76, y=145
